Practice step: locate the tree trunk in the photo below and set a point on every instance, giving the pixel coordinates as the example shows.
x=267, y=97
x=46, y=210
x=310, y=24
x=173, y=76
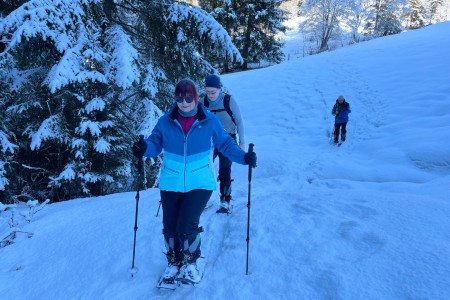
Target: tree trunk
x=247, y=42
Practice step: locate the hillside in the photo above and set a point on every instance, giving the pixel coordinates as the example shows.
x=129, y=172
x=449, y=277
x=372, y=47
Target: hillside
x=367, y=220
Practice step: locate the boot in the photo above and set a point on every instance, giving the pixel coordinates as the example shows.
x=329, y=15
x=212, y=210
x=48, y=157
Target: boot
x=191, y=246
x=225, y=198
x=174, y=257
x=225, y=207
x=173, y=268
x=189, y=273
x=171, y=272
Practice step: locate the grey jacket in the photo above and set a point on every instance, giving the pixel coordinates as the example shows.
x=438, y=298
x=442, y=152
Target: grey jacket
x=225, y=118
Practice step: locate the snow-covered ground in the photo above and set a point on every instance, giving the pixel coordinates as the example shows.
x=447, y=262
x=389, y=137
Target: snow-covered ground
x=367, y=220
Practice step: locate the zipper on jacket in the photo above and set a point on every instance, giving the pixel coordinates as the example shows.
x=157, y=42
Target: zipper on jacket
x=171, y=170
x=199, y=168
x=185, y=156
x=195, y=124
x=184, y=150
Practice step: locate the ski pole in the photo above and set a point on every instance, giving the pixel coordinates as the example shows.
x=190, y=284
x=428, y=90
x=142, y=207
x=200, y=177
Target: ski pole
x=140, y=180
x=157, y=213
x=250, y=150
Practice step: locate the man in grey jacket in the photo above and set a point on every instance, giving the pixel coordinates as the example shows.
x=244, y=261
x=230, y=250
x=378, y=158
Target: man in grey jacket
x=227, y=110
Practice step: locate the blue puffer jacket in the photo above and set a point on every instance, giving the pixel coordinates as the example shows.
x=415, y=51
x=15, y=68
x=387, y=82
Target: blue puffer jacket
x=341, y=111
x=187, y=161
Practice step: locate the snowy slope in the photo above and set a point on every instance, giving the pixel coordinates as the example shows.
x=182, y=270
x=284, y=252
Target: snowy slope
x=367, y=220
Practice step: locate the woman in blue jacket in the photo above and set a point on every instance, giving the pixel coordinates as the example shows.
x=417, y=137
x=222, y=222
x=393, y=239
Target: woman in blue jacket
x=187, y=134
x=340, y=110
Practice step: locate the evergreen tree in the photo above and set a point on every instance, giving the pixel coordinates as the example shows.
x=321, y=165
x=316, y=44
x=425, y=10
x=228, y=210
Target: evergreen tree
x=253, y=25
x=63, y=68
x=416, y=14
x=386, y=17
x=81, y=79
x=224, y=12
x=175, y=40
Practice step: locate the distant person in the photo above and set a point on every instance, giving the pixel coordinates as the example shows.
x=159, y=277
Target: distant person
x=187, y=180
x=341, y=109
x=225, y=107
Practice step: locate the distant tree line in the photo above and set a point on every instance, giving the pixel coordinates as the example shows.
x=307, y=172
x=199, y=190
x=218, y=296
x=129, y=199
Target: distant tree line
x=350, y=21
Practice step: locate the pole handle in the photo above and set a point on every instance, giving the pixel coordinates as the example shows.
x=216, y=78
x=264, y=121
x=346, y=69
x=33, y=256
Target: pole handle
x=250, y=150
x=140, y=160
x=250, y=147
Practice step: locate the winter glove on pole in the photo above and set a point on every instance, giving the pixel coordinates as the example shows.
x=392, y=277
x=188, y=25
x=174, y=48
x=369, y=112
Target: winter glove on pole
x=250, y=159
x=138, y=150
x=139, y=147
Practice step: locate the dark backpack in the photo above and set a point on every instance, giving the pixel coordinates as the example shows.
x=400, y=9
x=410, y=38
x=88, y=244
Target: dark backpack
x=226, y=105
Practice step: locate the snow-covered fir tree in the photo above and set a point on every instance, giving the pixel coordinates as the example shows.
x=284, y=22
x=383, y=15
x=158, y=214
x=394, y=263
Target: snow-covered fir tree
x=416, y=14
x=387, y=17
x=81, y=79
x=63, y=68
x=174, y=40
x=224, y=12
x=260, y=22
x=253, y=25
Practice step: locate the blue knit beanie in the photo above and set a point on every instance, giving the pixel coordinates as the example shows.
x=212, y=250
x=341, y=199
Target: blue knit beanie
x=213, y=81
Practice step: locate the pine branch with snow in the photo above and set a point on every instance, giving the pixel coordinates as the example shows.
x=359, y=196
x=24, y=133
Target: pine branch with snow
x=123, y=67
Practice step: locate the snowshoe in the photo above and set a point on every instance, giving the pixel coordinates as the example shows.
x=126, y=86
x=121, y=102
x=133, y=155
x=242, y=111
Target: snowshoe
x=189, y=274
x=167, y=280
x=225, y=208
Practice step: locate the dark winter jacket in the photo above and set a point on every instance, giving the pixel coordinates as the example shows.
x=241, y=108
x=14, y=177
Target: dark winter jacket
x=341, y=111
x=187, y=161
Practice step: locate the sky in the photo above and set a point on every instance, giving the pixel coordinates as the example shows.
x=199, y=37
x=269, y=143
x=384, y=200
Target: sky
x=367, y=220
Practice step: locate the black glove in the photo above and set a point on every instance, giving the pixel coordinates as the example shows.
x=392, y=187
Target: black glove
x=139, y=148
x=250, y=159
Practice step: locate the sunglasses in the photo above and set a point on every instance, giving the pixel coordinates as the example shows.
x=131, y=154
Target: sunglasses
x=180, y=99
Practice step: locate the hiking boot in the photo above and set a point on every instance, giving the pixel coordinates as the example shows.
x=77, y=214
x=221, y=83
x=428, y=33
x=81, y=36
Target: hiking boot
x=343, y=138
x=225, y=207
x=189, y=273
x=170, y=273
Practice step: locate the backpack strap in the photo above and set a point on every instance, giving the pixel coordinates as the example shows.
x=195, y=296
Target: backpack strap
x=226, y=105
